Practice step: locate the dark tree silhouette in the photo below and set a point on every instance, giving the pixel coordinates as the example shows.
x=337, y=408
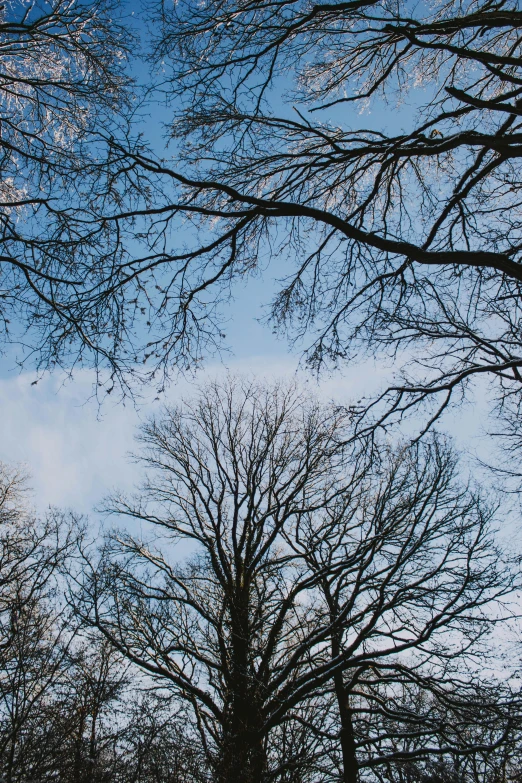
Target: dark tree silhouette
x=393, y=232
x=34, y=631
x=71, y=708
x=63, y=91
x=319, y=588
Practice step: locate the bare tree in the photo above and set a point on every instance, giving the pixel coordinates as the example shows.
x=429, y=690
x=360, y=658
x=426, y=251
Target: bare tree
x=157, y=747
x=242, y=466
x=71, y=708
x=35, y=628
x=400, y=229
x=63, y=91
x=392, y=565
x=86, y=715
x=313, y=575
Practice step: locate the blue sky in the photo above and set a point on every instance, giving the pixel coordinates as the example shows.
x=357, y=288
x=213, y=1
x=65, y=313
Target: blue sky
x=76, y=451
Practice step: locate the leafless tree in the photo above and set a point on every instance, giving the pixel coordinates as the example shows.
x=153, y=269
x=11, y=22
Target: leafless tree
x=313, y=575
x=392, y=566
x=242, y=466
x=63, y=90
x=86, y=714
x=71, y=708
x=156, y=746
x=400, y=229
x=34, y=630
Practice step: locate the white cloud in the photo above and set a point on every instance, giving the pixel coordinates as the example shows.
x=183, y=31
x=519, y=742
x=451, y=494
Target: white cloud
x=76, y=452
x=73, y=451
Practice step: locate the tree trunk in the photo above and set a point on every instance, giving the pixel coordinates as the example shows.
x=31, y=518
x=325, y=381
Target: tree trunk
x=78, y=747
x=347, y=738
x=243, y=756
x=11, y=758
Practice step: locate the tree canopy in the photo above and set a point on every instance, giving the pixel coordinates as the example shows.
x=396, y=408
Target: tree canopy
x=63, y=90
x=331, y=616
x=367, y=152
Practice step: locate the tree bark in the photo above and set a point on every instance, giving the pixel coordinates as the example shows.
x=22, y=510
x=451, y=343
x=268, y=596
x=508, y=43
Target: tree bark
x=243, y=758
x=347, y=738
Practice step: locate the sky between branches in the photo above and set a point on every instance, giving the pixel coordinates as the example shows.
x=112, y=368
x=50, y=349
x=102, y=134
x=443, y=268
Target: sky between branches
x=76, y=450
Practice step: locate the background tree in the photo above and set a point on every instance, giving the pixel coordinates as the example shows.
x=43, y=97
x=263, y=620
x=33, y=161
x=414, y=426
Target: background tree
x=312, y=574
x=71, y=710
x=86, y=714
x=156, y=746
x=402, y=566
x=34, y=631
